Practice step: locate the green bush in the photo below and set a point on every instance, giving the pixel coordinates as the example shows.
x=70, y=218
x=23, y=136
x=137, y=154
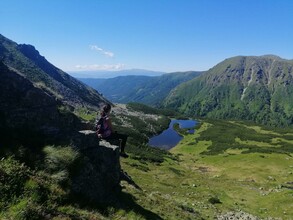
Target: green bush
x=32, y=194
x=59, y=161
x=13, y=176
x=214, y=200
x=20, y=194
x=24, y=209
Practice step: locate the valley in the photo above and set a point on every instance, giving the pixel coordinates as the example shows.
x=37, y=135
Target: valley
x=205, y=183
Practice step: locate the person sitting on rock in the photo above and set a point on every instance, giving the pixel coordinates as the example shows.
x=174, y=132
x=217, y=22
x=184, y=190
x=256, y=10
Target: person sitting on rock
x=105, y=130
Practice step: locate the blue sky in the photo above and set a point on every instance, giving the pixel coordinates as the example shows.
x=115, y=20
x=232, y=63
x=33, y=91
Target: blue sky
x=160, y=35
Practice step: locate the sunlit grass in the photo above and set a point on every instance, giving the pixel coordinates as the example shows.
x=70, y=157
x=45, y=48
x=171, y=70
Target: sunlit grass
x=256, y=143
x=86, y=114
x=239, y=179
x=257, y=129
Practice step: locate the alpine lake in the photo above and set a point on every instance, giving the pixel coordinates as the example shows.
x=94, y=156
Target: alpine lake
x=169, y=138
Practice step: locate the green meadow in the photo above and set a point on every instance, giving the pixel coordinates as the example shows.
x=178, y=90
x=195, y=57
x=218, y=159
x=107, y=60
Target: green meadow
x=224, y=166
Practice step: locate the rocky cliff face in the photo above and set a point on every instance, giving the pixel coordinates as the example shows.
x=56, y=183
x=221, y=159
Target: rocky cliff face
x=25, y=60
x=27, y=111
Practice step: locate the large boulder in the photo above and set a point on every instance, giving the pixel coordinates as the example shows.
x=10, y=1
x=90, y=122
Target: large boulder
x=98, y=176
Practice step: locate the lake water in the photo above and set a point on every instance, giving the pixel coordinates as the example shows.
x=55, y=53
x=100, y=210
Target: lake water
x=170, y=138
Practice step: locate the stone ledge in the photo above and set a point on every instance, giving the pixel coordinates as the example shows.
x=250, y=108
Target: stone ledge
x=90, y=139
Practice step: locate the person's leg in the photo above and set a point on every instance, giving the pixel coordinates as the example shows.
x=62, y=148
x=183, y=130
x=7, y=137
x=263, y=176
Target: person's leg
x=122, y=138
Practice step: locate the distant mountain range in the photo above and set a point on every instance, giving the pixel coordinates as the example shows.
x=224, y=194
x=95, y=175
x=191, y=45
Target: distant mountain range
x=144, y=89
x=111, y=74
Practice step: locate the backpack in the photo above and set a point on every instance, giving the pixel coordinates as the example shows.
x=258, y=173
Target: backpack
x=99, y=126
x=102, y=128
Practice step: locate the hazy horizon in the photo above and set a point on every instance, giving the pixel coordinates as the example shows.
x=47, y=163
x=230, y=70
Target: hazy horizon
x=113, y=73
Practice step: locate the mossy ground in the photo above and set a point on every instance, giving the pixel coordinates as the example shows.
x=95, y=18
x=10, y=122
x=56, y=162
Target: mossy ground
x=206, y=181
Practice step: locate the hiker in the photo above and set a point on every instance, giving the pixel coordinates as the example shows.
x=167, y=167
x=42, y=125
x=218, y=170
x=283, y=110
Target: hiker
x=105, y=130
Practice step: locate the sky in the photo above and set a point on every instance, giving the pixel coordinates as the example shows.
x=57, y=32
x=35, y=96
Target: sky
x=158, y=35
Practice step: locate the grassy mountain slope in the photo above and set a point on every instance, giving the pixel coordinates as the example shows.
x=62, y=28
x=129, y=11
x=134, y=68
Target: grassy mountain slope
x=118, y=88
x=92, y=82
x=143, y=89
x=250, y=88
x=26, y=61
x=225, y=169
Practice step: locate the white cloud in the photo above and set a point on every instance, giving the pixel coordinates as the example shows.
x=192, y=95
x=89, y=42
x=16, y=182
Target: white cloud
x=117, y=66
x=102, y=51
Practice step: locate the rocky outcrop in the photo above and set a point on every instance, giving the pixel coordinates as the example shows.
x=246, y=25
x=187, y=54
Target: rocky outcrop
x=98, y=176
x=29, y=114
x=32, y=118
x=28, y=62
x=37, y=102
x=237, y=215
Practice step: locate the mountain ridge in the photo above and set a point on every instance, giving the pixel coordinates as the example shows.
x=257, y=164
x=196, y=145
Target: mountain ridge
x=149, y=90
x=243, y=87
x=106, y=74
x=27, y=61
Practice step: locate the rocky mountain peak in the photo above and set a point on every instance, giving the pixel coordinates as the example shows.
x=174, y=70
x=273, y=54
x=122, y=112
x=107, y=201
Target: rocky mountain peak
x=30, y=51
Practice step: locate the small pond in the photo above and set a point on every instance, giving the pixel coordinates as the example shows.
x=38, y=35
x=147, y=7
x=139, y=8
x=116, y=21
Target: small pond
x=170, y=138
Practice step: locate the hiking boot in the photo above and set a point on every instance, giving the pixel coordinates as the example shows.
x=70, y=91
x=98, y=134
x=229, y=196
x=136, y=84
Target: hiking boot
x=123, y=154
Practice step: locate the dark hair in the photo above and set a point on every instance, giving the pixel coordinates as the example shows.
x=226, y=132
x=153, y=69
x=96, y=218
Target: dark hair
x=106, y=108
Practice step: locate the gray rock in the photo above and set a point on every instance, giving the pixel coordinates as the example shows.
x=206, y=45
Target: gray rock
x=237, y=215
x=98, y=176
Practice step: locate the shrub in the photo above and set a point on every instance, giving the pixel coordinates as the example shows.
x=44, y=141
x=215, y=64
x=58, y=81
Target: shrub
x=13, y=176
x=214, y=200
x=59, y=161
